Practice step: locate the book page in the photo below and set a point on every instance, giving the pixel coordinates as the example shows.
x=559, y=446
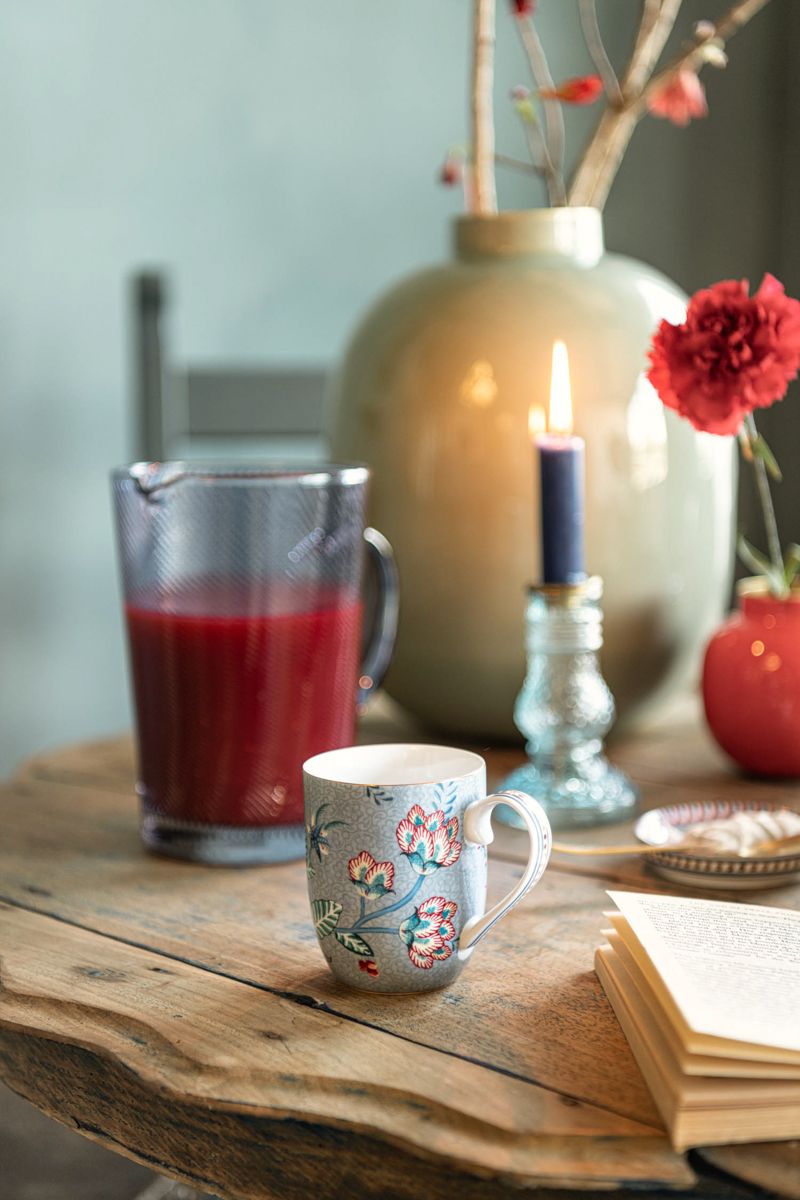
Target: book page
x=663, y=1013
x=732, y=969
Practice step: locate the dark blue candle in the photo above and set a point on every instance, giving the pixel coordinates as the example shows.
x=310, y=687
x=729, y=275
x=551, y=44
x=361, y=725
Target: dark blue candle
x=562, y=507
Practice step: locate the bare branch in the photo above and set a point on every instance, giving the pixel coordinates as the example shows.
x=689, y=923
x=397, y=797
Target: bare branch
x=553, y=116
x=484, y=192
x=658, y=21
x=736, y=17
x=691, y=55
x=597, y=50
x=516, y=164
x=542, y=162
x=649, y=17
x=600, y=161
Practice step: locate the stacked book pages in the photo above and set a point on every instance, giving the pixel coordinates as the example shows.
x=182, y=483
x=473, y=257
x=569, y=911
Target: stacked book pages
x=708, y=996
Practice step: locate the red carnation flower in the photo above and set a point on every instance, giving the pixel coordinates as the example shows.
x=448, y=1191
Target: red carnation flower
x=583, y=90
x=732, y=354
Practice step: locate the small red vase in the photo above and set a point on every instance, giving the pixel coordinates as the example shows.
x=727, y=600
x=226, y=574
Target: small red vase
x=751, y=682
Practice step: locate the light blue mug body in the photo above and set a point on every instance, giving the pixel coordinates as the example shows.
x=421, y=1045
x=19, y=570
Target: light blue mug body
x=397, y=866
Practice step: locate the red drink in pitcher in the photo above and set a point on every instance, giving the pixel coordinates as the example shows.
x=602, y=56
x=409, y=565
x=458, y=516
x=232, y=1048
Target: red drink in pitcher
x=243, y=597
x=229, y=707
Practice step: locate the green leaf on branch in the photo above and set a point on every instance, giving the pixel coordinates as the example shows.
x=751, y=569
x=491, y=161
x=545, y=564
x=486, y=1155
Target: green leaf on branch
x=351, y=941
x=760, y=565
x=791, y=564
x=326, y=916
x=760, y=449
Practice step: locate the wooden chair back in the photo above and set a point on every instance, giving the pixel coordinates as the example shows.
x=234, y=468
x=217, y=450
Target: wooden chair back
x=216, y=410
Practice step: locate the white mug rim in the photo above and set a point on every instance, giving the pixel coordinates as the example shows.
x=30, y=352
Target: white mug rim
x=321, y=766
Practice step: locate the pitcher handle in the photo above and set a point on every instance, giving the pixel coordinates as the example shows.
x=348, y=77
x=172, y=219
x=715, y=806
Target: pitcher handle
x=378, y=653
x=478, y=828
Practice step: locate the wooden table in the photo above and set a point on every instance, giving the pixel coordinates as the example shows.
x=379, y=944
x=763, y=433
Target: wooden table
x=183, y=1015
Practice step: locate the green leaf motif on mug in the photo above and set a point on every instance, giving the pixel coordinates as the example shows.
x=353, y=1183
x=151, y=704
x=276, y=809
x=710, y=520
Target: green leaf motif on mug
x=326, y=916
x=379, y=795
x=351, y=941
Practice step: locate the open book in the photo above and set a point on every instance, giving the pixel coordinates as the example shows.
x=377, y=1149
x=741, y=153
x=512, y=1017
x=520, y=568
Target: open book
x=708, y=996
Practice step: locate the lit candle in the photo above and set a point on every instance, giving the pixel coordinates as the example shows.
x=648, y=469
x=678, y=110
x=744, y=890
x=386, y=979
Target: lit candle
x=561, y=478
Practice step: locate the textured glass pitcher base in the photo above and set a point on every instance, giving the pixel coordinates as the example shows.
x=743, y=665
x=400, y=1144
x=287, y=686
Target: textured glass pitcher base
x=222, y=845
x=596, y=794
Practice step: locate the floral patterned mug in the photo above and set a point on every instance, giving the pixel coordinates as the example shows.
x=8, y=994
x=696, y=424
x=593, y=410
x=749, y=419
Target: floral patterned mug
x=396, y=841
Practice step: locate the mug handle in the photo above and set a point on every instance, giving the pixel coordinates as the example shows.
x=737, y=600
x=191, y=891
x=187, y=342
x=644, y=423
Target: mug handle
x=478, y=828
x=378, y=653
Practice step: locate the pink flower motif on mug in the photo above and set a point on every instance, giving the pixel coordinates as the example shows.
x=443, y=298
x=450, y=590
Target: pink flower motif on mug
x=372, y=879
x=429, y=932
x=428, y=842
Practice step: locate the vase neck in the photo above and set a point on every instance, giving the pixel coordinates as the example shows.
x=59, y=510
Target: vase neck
x=574, y=235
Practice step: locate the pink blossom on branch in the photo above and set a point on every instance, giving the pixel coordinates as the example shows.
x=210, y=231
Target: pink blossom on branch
x=681, y=99
x=451, y=172
x=584, y=89
x=732, y=354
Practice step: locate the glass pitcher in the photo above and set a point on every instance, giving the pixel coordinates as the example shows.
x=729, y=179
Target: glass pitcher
x=243, y=599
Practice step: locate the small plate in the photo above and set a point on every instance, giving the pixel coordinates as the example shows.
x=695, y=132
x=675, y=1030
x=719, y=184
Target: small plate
x=664, y=826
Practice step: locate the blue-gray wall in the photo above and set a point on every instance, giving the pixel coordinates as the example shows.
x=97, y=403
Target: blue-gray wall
x=279, y=159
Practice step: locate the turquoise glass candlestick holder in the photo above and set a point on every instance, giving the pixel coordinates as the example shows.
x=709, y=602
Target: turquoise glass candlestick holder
x=564, y=710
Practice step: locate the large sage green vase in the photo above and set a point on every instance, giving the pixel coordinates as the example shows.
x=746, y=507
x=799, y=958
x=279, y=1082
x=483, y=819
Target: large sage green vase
x=434, y=393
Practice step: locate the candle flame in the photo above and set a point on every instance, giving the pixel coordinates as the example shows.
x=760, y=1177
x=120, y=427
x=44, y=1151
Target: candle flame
x=537, y=420
x=560, y=395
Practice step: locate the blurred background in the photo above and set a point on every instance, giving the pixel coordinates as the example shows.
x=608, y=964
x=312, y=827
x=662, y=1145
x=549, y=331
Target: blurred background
x=278, y=163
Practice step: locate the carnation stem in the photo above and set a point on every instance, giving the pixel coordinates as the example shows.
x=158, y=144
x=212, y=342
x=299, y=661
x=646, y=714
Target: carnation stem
x=765, y=496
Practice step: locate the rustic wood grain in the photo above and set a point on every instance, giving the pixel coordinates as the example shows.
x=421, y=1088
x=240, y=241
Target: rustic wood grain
x=529, y=1003
x=248, y=1156
x=774, y=1166
x=209, y=1041
x=223, y=975
x=672, y=760
x=109, y=762
x=107, y=766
